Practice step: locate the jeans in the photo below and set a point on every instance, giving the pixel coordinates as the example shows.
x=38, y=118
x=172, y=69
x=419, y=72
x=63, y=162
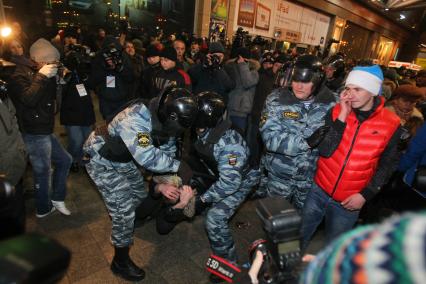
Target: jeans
x=43, y=150
x=77, y=135
x=319, y=205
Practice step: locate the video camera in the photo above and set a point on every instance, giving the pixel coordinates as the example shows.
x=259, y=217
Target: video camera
x=78, y=59
x=274, y=259
x=29, y=258
x=113, y=55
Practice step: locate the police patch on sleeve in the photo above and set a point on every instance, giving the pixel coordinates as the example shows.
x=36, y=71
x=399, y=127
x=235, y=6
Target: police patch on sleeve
x=263, y=119
x=144, y=139
x=290, y=115
x=232, y=160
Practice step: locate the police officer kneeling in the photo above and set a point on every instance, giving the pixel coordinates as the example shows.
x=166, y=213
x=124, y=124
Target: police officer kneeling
x=116, y=155
x=224, y=151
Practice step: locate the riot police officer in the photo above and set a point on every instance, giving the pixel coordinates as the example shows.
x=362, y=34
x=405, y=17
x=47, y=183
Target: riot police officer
x=226, y=154
x=130, y=142
x=335, y=73
x=290, y=116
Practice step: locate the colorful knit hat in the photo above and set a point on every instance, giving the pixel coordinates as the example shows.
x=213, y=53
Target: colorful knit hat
x=392, y=252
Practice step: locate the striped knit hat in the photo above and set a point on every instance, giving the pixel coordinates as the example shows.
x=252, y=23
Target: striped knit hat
x=392, y=252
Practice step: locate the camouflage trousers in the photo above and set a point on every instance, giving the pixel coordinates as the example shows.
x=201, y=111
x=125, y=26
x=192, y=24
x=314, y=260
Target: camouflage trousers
x=295, y=191
x=218, y=216
x=122, y=189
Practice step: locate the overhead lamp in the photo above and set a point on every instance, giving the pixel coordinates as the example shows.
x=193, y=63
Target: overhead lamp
x=401, y=17
x=386, y=9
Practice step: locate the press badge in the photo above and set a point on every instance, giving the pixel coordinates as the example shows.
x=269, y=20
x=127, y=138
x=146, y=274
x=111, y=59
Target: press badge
x=110, y=81
x=81, y=90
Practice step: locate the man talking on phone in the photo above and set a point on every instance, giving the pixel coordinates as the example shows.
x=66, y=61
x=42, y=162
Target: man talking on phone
x=358, y=153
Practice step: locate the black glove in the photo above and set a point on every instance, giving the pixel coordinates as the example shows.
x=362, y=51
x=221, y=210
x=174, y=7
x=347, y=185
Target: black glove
x=315, y=139
x=200, y=205
x=184, y=172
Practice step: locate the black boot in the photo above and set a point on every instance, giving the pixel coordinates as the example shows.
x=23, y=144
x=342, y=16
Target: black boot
x=124, y=267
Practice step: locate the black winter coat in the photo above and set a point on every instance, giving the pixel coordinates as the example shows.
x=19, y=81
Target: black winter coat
x=33, y=95
x=76, y=109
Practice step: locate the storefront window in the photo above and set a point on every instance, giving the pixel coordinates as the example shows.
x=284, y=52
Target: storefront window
x=354, y=41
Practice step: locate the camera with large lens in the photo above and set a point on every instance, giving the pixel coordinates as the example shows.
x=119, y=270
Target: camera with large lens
x=113, y=57
x=213, y=62
x=78, y=60
x=276, y=258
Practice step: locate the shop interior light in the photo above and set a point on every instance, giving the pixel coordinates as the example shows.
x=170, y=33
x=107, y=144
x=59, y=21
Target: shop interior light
x=401, y=17
x=5, y=31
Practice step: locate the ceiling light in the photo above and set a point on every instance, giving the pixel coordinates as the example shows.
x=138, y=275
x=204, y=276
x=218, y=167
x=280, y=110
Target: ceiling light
x=401, y=17
x=386, y=9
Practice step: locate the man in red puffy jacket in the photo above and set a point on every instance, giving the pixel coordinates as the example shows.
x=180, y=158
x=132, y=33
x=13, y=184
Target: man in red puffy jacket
x=358, y=153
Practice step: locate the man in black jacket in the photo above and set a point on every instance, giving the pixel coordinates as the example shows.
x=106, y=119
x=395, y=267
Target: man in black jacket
x=111, y=77
x=210, y=74
x=33, y=92
x=169, y=74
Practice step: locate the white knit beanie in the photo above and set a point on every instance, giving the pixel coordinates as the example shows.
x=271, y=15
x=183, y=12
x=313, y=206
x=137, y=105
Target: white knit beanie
x=369, y=78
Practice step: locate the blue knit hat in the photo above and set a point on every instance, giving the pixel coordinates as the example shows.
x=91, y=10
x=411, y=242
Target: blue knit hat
x=369, y=78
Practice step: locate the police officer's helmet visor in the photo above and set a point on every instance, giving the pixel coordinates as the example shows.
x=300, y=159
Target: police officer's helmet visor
x=303, y=75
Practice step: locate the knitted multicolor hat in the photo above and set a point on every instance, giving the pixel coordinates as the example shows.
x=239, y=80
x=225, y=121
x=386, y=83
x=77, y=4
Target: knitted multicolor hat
x=392, y=252
x=369, y=78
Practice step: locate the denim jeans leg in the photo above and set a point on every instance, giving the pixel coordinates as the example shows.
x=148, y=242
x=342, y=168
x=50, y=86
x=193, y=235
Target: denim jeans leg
x=77, y=135
x=312, y=214
x=62, y=161
x=338, y=220
x=39, y=149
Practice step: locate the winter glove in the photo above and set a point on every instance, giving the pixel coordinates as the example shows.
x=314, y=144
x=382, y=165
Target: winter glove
x=315, y=139
x=200, y=205
x=48, y=70
x=184, y=172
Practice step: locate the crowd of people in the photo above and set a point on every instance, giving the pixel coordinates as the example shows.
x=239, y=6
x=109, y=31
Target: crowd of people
x=340, y=141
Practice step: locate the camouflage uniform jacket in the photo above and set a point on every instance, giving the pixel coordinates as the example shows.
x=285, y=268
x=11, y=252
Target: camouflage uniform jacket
x=231, y=154
x=285, y=124
x=134, y=126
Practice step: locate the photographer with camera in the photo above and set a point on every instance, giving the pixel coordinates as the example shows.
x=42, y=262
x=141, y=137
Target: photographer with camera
x=243, y=71
x=76, y=113
x=224, y=151
x=111, y=77
x=33, y=89
x=210, y=74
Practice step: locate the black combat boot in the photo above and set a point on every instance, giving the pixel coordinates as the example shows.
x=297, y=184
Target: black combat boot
x=124, y=267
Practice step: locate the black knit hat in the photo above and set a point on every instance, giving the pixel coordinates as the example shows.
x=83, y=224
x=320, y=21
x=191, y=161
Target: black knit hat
x=153, y=50
x=216, y=47
x=169, y=53
x=244, y=53
x=70, y=32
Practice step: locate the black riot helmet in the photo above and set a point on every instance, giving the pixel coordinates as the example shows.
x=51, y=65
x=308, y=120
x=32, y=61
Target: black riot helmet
x=308, y=68
x=337, y=62
x=211, y=107
x=177, y=109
